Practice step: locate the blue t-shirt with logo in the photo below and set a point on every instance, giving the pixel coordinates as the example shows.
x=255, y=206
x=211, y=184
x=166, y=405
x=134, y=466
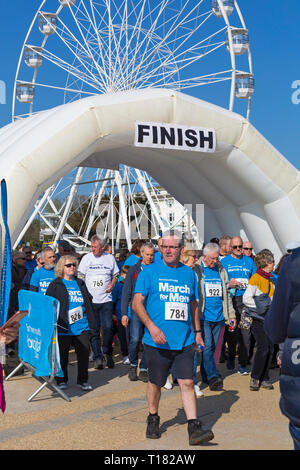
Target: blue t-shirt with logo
x=213, y=295
x=241, y=269
x=41, y=278
x=168, y=293
x=132, y=260
x=77, y=319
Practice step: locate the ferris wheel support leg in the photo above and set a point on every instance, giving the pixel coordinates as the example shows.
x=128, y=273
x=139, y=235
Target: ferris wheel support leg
x=32, y=217
x=68, y=207
x=119, y=229
x=123, y=210
x=154, y=210
x=100, y=194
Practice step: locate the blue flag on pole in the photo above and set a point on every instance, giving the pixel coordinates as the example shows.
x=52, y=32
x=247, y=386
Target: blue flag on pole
x=7, y=259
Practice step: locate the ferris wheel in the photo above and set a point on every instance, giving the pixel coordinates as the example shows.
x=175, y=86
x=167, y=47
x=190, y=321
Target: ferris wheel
x=77, y=48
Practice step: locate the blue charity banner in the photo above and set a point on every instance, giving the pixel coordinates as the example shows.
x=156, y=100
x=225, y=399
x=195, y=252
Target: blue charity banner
x=36, y=332
x=7, y=259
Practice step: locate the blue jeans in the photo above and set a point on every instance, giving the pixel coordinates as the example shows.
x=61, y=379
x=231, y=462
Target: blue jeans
x=104, y=314
x=136, y=334
x=210, y=334
x=295, y=433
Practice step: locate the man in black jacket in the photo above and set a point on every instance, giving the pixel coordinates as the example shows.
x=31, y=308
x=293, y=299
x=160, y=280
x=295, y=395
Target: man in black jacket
x=136, y=326
x=282, y=324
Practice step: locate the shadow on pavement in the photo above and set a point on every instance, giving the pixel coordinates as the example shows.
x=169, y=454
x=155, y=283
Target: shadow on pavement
x=209, y=409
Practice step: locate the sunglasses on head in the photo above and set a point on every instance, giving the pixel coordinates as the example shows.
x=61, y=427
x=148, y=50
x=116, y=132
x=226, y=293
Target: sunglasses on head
x=69, y=265
x=237, y=246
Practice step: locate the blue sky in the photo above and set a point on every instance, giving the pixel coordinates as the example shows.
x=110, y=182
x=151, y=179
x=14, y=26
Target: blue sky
x=274, y=29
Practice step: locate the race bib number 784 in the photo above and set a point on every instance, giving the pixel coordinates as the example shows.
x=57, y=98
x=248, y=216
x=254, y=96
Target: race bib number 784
x=176, y=311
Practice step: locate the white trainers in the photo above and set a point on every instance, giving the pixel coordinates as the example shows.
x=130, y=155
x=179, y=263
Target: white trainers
x=126, y=360
x=198, y=392
x=168, y=385
x=86, y=387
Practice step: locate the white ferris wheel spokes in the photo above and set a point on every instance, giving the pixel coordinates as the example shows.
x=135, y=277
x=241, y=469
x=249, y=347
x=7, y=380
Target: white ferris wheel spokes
x=76, y=48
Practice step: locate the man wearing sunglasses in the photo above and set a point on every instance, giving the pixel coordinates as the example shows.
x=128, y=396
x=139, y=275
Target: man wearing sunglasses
x=248, y=249
x=239, y=269
x=30, y=261
x=165, y=301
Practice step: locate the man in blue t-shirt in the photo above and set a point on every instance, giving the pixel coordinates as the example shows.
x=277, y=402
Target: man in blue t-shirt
x=41, y=278
x=30, y=261
x=239, y=269
x=165, y=300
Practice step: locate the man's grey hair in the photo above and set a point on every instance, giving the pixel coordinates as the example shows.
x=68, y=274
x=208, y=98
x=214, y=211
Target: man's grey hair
x=102, y=241
x=224, y=239
x=174, y=233
x=44, y=251
x=211, y=248
x=147, y=245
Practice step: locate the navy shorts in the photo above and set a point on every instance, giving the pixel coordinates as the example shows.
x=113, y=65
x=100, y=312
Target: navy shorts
x=160, y=361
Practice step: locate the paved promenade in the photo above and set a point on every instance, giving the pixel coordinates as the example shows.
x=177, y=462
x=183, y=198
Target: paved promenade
x=113, y=415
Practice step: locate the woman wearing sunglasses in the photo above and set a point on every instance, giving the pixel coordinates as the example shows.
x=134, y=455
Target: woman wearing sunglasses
x=76, y=317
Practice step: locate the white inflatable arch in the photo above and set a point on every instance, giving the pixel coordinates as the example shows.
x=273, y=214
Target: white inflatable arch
x=247, y=186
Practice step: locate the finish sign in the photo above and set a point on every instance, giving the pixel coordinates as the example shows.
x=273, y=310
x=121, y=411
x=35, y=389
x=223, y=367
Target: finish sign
x=170, y=136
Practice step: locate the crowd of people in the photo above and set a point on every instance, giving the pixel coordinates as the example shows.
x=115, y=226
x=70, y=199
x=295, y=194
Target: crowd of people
x=171, y=307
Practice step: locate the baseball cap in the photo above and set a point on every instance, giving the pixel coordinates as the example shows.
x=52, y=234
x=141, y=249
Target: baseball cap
x=18, y=255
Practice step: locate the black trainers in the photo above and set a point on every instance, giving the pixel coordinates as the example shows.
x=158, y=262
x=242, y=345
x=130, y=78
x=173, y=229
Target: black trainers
x=215, y=383
x=197, y=435
x=267, y=384
x=98, y=364
x=153, y=431
x=109, y=361
x=132, y=375
x=143, y=376
x=254, y=384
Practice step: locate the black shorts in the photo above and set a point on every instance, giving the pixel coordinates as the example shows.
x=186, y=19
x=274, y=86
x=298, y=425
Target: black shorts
x=160, y=361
